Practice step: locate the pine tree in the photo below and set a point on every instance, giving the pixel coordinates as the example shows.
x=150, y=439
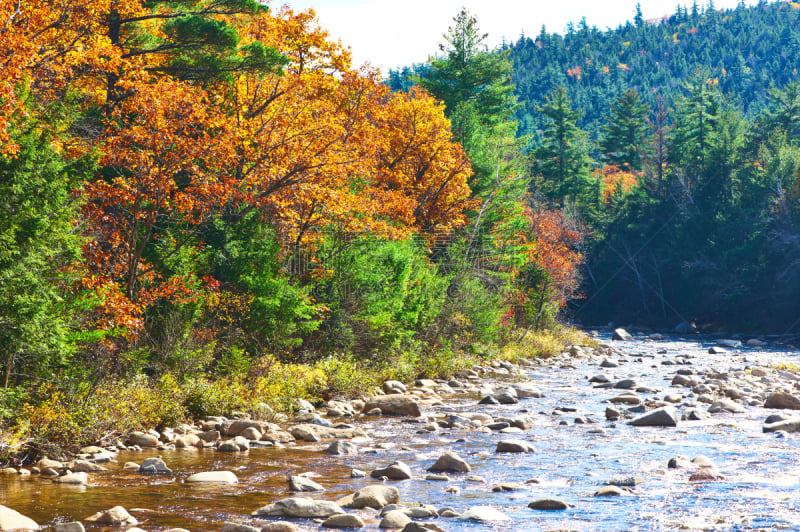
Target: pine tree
x=625, y=142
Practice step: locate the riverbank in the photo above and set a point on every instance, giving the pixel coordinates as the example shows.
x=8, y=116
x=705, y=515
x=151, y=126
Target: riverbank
x=719, y=467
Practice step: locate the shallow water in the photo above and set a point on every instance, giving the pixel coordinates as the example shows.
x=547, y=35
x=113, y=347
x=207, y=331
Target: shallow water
x=760, y=490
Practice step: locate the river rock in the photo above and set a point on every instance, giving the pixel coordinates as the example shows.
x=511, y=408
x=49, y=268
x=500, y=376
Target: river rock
x=85, y=466
x=661, y=417
x=450, y=463
x=116, y=516
x=601, y=378
x=786, y=425
x=486, y=514
x=213, y=477
x=609, y=491
x=299, y=507
x=73, y=478
x=706, y=474
x=625, y=384
x=514, y=446
x=621, y=335
x=237, y=527
x=714, y=350
x=339, y=448
x=393, y=471
x=730, y=343
x=279, y=526
x=489, y=400
x=343, y=521
x=314, y=433
x=394, y=405
x=301, y=483
x=685, y=327
x=154, y=466
x=625, y=481
x=187, y=440
x=394, y=387
x=725, y=405
x=13, y=520
x=627, y=398
x=548, y=504
x=142, y=439
x=46, y=463
x=228, y=446
x=782, y=400
x=527, y=391
x=373, y=496
x=394, y=519
x=74, y=526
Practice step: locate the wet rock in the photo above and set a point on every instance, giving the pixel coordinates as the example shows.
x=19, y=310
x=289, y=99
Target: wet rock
x=507, y=486
x=608, y=363
x=450, y=463
x=437, y=478
x=527, y=391
x=187, y=440
x=394, y=387
x=625, y=384
x=393, y=471
x=788, y=425
x=506, y=398
x=74, y=526
x=116, y=516
x=142, y=439
x=339, y=448
x=612, y=414
x=301, y=483
x=609, y=491
x=213, y=477
x=85, y=466
x=80, y=479
x=484, y=514
x=706, y=474
x=685, y=327
x=679, y=462
x=627, y=398
x=782, y=400
x=228, y=446
x=154, y=466
x=489, y=400
x=314, y=433
x=695, y=414
x=299, y=507
x=357, y=473
x=621, y=335
x=47, y=463
x=661, y=417
x=394, y=519
x=514, y=446
x=548, y=504
x=13, y=520
x=600, y=379
x=343, y=521
x=476, y=478
x=730, y=343
x=373, y=496
x=717, y=350
x=394, y=405
x=624, y=481
x=237, y=527
x=279, y=526
x=420, y=512
x=498, y=426
x=727, y=406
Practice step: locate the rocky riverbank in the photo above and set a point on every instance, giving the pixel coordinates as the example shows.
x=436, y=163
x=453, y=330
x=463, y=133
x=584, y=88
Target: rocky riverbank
x=528, y=447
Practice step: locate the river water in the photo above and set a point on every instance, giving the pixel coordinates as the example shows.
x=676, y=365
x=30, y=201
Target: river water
x=759, y=492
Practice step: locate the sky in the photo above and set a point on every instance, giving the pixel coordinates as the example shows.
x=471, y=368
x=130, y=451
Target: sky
x=393, y=33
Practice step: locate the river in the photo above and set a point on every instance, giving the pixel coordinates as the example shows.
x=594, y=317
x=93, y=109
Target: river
x=571, y=461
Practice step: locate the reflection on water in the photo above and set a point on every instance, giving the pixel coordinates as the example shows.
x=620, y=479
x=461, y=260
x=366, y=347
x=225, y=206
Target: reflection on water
x=762, y=472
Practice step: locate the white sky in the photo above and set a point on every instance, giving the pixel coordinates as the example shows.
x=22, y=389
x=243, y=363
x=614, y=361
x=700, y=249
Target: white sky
x=392, y=33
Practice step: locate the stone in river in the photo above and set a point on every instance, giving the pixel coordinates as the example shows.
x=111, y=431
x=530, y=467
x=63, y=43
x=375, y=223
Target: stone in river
x=607, y=363
x=394, y=519
x=484, y=514
x=621, y=335
x=299, y=507
x=74, y=526
x=612, y=414
x=626, y=481
x=116, y=516
x=340, y=447
x=725, y=405
x=609, y=491
x=213, y=477
x=506, y=398
x=527, y=391
x=142, y=439
x=229, y=526
x=373, y=496
x=395, y=405
x=343, y=521
x=13, y=520
x=782, y=400
x=601, y=378
x=84, y=466
x=301, y=483
x=786, y=425
x=393, y=471
x=278, y=526
x=627, y=398
x=717, y=350
x=706, y=474
x=489, y=400
x=661, y=417
x=514, y=446
x=73, y=478
x=625, y=384
x=450, y=463
x=154, y=466
x=548, y=504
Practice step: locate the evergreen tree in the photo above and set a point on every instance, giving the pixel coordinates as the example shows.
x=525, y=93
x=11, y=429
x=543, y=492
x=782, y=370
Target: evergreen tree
x=625, y=142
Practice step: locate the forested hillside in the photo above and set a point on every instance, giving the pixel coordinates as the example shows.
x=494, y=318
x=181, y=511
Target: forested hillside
x=744, y=51
x=675, y=144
